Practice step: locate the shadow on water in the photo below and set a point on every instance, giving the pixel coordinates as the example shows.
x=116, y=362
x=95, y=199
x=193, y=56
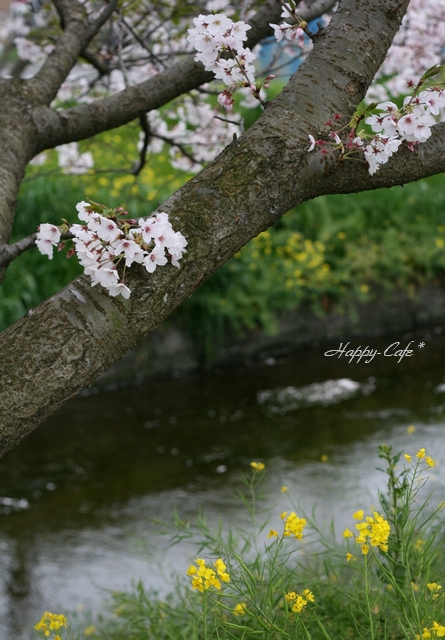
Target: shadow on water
x=77, y=493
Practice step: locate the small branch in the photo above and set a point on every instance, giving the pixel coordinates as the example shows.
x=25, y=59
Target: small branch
x=142, y=43
x=102, y=68
x=239, y=123
x=78, y=33
x=180, y=146
x=9, y=252
x=145, y=126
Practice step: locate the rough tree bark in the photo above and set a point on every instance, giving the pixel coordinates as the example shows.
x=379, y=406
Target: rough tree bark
x=65, y=343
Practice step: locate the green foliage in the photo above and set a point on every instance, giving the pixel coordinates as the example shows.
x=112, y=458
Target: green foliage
x=328, y=253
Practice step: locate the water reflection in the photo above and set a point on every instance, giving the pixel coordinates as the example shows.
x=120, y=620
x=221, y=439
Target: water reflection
x=78, y=495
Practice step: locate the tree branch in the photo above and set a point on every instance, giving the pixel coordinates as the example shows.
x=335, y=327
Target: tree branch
x=9, y=252
x=66, y=342
x=85, y=120
x=78, y=33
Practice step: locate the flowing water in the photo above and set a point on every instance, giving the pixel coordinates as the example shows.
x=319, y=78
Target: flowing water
x=78, y=496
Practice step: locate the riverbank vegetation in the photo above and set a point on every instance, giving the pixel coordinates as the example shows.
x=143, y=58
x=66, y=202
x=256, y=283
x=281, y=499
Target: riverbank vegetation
x=278, y=576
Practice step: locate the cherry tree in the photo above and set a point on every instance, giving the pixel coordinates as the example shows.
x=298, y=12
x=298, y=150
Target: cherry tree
x=88, y=67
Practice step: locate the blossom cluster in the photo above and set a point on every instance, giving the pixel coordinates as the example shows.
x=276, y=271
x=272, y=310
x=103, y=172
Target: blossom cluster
x=51, y=622
x=412, y=123
x=105, y=242
x=391, y=126
x=293, y=526
x=216, y=34
x=71, y=161
x=292, y=32
x=298, y=602
x=190, y=126
x=373, y=530
x=422, y=457
x=204, y=577
x=436, y=631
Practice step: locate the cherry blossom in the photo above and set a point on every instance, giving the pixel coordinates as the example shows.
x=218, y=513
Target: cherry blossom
x=48, y=237
x=392, y=126
x=107, y=245
x=216, y=34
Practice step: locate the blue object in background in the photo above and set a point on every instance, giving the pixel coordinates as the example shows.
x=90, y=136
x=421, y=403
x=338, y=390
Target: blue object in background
x=284, y=64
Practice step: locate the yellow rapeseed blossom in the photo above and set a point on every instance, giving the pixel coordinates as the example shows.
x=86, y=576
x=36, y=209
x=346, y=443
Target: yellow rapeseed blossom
x=90, y=631
x=240, y=609
x=50, y=622
x=309, y=595
x=257, y=466
x=420, y=454
x=407, y=457
x=204, y=577
x=434, y=588
x=324, y=458
x=298, y=602
x=430, y=462
x=426, y=635
x=374, y=531
x=349, y=556
x=439, y=629
x=272, y=534
x=411, y=429
x=221, y=569
x=284, y=489
x=293, y=525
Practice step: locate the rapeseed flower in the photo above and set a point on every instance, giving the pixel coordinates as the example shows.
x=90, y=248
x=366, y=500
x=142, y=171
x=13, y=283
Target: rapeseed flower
x=51, y=622
x=407, y=457
x=298, y=602
x=373, y=531
x=420, y=454
x=439, y=629
x=240, y=609
x=293, y=525
x=349, y=556
x=426, y=635
x=284, y=489
x=411, y=429
x=272, y=534
x=204, y=577
x=258, y=466
x=434, y=588
x=430, y=462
